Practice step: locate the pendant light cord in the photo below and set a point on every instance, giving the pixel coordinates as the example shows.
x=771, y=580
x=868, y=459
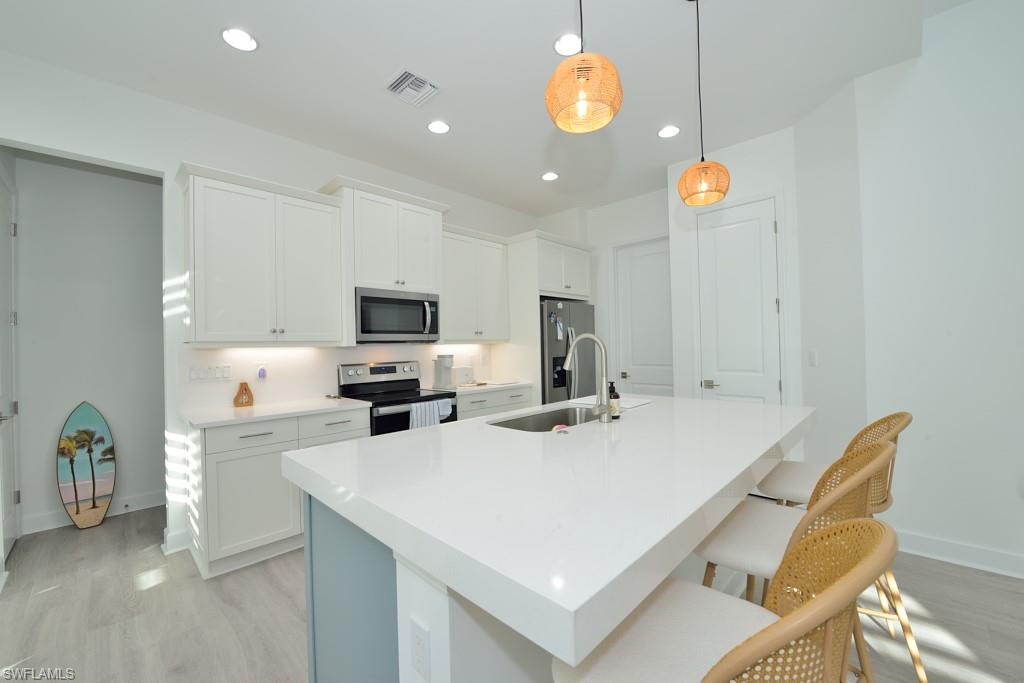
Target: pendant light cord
x=700, y=100
x=581, y=26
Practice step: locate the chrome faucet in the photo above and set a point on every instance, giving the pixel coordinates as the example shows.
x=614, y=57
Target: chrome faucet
x=601, y=405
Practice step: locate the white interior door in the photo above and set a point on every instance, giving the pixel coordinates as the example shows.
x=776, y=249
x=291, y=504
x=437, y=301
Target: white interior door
x=739, y=305
x=8, y=516
x=644, y=318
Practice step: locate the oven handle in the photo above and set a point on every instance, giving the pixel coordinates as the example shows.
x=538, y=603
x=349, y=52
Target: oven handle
x=426, y=307
x=396, y=410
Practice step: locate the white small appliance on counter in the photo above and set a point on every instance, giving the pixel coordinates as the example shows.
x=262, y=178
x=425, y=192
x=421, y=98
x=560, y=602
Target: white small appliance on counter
x=443, y=365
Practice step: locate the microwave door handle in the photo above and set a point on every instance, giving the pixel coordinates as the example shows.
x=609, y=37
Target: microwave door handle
x=426, y=307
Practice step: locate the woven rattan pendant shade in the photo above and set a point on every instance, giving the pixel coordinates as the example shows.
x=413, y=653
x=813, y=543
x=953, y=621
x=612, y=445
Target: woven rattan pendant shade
x=584, y=93
x=706, y=182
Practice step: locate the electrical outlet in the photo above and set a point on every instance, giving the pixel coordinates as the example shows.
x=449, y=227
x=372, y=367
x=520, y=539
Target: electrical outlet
x=420, y=644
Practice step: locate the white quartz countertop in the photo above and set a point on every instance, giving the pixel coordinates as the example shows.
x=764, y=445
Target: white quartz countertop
x=558, y=535
x=490, y=387
x=228, y=415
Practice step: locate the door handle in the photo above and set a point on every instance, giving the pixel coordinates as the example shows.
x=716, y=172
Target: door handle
x=710, y=384
x=426, y=307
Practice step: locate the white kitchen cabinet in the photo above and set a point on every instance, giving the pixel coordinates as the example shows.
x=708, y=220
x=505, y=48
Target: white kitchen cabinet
x=233, y=262
x=376, y=241
x=563, y=270
x=475, y=292
x=244, y=511
x=493, y=400
x=308, y=271
x=249, y=503
x=397, y=245
x=264, y=266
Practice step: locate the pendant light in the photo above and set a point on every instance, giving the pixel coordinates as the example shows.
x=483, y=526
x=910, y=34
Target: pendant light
x=706, y=182
x=584, y=93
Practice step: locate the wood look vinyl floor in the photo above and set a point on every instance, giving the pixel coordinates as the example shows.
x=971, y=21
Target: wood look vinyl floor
x=109, y=604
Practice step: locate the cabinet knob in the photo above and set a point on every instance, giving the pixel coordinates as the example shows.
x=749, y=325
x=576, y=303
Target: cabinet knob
x=281, y=330
x=398, y=282
x=403, y=282
x=568, y=286
x=273, y=330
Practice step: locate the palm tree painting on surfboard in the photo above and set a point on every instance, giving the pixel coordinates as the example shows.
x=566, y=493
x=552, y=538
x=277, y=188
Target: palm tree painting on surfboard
x=85, y=466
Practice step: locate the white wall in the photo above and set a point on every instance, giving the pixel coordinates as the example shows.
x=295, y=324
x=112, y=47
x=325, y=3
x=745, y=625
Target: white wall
x=570, y=224
x=831, y=274
x=760, y=168
x=941, y=143
x=60, y=111
x=88, y=297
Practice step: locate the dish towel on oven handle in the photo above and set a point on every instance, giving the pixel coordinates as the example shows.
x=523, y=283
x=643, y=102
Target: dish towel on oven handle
x=426, y=414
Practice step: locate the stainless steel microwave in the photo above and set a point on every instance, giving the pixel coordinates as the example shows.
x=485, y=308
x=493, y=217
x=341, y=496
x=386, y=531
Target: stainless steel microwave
x=384, y=315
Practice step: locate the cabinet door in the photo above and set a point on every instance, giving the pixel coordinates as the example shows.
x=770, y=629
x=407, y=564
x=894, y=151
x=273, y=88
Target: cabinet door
x=459, y=294
x=376, y=241
x=491, y=291
x=233, y=245
x=576, y=269
x=419, y=248
x=248, y=502
x=549, y=266
x=308, y=271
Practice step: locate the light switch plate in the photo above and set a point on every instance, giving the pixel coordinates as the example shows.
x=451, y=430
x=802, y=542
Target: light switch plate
x=420, y=644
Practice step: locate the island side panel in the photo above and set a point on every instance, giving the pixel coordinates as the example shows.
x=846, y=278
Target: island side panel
x=351, y=600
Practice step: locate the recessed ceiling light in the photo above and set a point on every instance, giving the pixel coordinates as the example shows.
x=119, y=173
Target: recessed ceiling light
x=549, y=176
x=567, y=45
x=438, y=127
x=669, y=131
x=239, y=39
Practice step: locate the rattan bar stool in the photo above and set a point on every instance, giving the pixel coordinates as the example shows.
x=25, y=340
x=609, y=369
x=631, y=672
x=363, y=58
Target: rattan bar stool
x=792, y=481
x=756, y=536
x=688, y=633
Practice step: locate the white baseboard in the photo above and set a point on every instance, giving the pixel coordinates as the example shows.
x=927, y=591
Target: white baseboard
x=176, y=542
x=52, y=519
x=975, y=556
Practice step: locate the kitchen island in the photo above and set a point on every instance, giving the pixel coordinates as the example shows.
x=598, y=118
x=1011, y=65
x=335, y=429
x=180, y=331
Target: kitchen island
x=474, y=552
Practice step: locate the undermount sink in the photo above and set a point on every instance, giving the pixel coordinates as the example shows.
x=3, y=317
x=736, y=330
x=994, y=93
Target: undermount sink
x=545, y=421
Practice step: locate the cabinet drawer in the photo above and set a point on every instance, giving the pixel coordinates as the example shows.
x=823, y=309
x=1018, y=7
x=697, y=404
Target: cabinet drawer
x=332, y=423
x=493, y=399
x=333, y=438
x=233, y=437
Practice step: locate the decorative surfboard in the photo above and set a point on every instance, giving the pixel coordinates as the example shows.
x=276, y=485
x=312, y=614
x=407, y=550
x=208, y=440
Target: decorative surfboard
x=85, y=466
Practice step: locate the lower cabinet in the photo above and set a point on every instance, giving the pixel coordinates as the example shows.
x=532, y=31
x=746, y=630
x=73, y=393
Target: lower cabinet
x=480, y=403
x=245, y=511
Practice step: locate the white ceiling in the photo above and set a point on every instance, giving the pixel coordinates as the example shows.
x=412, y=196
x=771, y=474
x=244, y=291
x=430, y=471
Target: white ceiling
x=322, y=67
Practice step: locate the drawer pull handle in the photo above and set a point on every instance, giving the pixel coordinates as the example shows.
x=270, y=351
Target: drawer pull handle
x=339, y=422
x=516, y=396
x=483, y=400
x=253, y=436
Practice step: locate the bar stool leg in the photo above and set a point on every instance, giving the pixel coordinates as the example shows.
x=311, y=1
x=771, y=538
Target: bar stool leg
x=750, y=588
x=764, y=592
x=908, y=634
x=883, y=601
x=863, y=659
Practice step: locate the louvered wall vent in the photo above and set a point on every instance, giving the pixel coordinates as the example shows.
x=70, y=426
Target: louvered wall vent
x=413, y=89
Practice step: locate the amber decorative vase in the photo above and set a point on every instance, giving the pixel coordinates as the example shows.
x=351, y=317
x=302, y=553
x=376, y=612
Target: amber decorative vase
x=243, y=399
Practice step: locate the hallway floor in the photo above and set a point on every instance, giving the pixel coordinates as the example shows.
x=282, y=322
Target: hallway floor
x=109, y=604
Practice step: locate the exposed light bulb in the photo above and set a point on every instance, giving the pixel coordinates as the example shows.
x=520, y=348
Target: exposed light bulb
x=568, y=44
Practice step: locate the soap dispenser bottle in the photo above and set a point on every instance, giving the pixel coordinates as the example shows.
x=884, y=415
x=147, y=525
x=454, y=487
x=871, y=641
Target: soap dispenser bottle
x=614, y=409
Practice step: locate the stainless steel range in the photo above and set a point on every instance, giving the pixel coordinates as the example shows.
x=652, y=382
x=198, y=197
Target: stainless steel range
x=391, y=389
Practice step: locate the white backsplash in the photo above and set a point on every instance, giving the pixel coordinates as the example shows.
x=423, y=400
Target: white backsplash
x=296, y=373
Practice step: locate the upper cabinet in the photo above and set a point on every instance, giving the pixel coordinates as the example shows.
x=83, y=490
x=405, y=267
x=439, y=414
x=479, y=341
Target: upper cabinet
x=474, y=298
x=563, y=270
x=265, y=266
x=397, y=245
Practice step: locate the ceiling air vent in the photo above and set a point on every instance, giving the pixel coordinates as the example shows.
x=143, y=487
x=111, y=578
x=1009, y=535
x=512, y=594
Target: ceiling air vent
x=413, y=89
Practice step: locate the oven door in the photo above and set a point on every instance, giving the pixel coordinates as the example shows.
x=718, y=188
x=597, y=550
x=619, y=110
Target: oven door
x=383, y=315
x=388, y=419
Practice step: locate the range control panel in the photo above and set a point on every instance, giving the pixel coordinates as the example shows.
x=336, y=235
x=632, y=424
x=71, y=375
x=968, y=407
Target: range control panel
x=378, y=372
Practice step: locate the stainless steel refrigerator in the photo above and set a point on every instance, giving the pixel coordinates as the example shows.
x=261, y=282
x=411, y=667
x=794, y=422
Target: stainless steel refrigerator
x=560, y=321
